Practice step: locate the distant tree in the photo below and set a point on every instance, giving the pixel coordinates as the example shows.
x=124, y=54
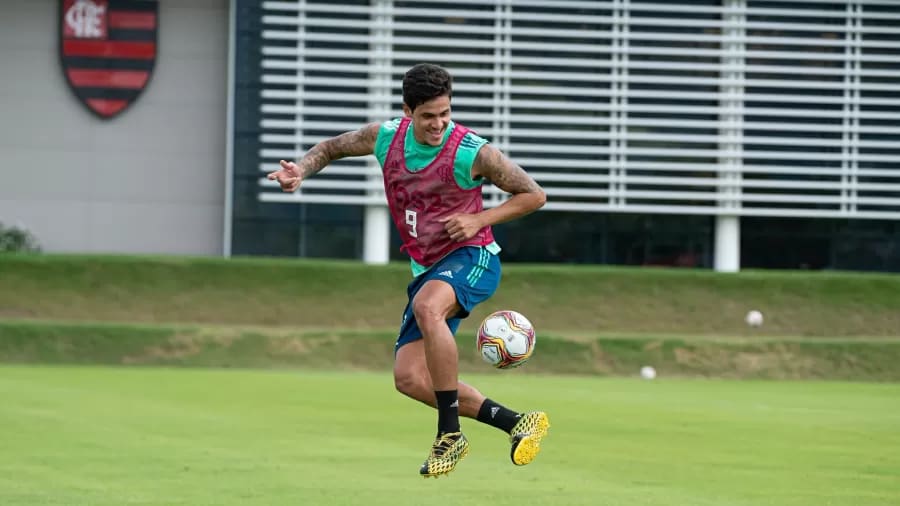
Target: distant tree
x=17, y=240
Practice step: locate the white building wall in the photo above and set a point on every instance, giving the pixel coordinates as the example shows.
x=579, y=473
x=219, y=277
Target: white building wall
x=150, y=180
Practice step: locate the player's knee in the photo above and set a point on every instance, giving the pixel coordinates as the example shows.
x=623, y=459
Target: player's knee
x=427, y=311
x=408, y=384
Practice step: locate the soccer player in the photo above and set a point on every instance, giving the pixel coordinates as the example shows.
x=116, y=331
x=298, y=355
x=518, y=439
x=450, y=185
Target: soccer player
x=433, y=169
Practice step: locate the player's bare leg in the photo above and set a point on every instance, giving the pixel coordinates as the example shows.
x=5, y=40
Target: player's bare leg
x=411, y=378
x=526, y=431
x=434, y=303
x=431, y=306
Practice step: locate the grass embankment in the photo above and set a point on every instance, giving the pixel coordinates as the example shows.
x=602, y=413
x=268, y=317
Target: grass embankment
x=568, y=300
x=264, y=347
x=590, y=320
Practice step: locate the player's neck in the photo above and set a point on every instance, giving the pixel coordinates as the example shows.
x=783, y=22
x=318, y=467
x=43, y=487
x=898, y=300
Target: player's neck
x=423, y=145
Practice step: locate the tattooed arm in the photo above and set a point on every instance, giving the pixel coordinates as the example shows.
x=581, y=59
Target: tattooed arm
x=356, y=143
x=527, y=195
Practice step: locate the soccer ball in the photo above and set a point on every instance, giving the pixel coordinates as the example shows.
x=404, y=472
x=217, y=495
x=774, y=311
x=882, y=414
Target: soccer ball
x=754, y=318
x=505, y=339
x=648, y=372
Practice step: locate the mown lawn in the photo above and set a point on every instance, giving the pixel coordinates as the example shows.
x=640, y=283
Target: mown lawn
x=157, y=436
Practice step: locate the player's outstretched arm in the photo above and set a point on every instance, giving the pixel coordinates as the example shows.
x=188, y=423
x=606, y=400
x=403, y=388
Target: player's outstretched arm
x=527, y=195
x=356, y=143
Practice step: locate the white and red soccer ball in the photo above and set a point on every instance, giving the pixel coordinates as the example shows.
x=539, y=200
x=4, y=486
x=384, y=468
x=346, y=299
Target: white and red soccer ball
x=505, y=339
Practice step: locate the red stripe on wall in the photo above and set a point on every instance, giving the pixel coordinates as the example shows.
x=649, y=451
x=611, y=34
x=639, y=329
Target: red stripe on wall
x=106, y=107
x=109, y=49
x=132, y=20
x=134, y=79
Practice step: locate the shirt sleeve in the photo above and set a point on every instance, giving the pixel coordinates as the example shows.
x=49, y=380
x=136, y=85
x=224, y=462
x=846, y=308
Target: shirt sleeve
x=385, y=136
x=465, y=158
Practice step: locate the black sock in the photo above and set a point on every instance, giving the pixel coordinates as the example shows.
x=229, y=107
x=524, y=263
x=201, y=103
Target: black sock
x=498, y=416
x=448, y=411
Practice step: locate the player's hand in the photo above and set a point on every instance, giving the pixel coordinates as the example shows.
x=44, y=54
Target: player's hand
x=288, y=176
x=462, y=226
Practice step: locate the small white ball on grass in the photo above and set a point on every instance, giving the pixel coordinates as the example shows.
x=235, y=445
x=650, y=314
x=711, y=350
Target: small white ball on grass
x=648, y=372
x=754, y=318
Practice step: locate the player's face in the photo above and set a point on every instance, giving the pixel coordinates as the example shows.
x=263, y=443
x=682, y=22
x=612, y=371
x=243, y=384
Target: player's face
x=430, y=120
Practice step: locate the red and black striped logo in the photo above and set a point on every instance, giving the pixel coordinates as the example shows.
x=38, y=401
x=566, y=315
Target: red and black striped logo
x=108, y=50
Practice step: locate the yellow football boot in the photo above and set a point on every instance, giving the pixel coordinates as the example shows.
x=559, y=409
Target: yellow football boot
x=448, y=449
x=526, y=437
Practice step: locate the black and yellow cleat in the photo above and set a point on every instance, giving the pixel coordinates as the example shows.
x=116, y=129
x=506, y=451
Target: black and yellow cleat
x=448, y=449
x=526, y=437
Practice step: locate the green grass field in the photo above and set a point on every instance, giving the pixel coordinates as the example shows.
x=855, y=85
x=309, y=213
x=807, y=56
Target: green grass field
x=158, y=436
x=181, y=381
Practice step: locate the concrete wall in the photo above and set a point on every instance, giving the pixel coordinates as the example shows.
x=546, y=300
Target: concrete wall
x=150, y=180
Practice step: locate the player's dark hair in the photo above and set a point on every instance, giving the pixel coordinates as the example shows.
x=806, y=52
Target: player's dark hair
x=424, y=82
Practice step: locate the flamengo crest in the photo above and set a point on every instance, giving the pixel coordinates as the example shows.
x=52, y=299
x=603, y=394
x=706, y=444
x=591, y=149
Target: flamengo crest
x=108, y=49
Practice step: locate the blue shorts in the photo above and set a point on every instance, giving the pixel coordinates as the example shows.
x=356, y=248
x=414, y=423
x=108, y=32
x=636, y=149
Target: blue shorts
x=474, y=274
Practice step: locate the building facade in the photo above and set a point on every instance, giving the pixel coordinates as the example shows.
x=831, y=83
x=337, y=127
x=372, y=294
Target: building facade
x=701, y=133
x=709, y=133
